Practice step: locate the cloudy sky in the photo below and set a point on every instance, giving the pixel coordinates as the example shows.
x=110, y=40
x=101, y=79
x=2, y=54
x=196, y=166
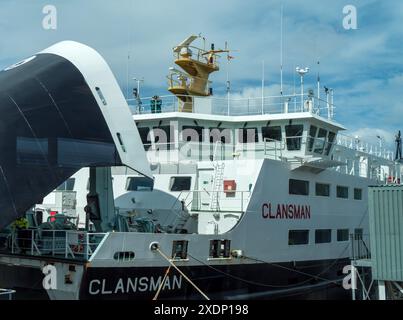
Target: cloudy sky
x=364, y=66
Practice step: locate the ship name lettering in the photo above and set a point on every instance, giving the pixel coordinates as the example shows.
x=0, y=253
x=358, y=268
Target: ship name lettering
x=132, y=285
x=286, y=211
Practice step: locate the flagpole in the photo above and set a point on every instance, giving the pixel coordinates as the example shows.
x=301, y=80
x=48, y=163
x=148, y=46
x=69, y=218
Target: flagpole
x=263, y=87
x=228, y=87
x=281, y=52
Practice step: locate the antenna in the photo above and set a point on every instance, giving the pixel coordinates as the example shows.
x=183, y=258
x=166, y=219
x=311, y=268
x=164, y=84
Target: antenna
x=302, y=72
x=318, y=84
x=281, y=52
x=263, y=87
x=129, y=41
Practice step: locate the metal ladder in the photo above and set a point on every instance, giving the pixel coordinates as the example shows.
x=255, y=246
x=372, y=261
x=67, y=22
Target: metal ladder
x=217, y=184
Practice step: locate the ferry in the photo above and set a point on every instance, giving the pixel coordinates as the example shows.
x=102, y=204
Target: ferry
x=193, y=196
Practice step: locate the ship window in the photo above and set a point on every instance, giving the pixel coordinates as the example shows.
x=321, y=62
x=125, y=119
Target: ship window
x=311, y=139
x=320, y=141
x=139, y=184
x=145, y=137
x=220, y=248
x=294, y=136
x=330, y=141
x=357, y=194
x=68, y=185
x=271, y=133
x=180, y=183
x=180, y=249
x=299, y=187
x=342, y=235
x=192, y=134
x=248, y=135
x=162, y=137
x=342, y=192
x=298, y=237
x=323, y=236
x=322, y=190
x=124, y=256
x=218, y=134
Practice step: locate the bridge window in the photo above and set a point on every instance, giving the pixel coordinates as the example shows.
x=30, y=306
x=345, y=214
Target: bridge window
x=272, y=133
x=311, y=139
x=323, y=236
x=180, y=249
x=342, y=235
x=220, y=248
x=124, y=256
x=330, y=141
x=248, y=135
x=218, y=134
x=68, y=185
x=294, y=136
x=357, y=194
x=298, y=237
x=180, y=183
x=145, y=137
x=322, y=190
x=192, y=134
x=299, y=187
x=139, y=184
x=162, y=137
x=320, y=141
x=342, y=192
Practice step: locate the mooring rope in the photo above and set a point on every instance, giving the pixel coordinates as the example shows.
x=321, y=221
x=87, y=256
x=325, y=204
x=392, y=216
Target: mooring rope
x=183, y=275
x=162, y=283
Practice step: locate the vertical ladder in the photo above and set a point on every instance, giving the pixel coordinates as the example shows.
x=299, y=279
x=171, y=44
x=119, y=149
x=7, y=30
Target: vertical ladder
x=217, y=185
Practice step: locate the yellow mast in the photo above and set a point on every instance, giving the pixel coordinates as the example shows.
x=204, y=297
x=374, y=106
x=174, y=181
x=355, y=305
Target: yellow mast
x=197, y=65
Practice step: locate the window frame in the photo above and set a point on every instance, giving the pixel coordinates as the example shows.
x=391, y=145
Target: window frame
x=294, y=142
x=128, y=183
x=274, y=137
x=322, y=184
x=360, y=194
x=306, y=182
x=243, y=133
x=172, y=183
x=328, y=233
x=342, y=197
x=304, y=231
x=339, y=234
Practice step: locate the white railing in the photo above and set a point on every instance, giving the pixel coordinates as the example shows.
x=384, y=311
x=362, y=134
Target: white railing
x=364, y=147
x=7, y=293
x=243, y=106
x=55, y=243
x=235, y=201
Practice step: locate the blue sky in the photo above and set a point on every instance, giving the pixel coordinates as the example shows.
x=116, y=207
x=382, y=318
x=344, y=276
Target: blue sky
x=364, y=66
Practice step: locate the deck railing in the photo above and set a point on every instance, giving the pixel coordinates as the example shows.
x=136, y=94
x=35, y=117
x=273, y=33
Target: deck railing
x=56, y=243
x=6, y=294
x=360, y=246
x=233, y=106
